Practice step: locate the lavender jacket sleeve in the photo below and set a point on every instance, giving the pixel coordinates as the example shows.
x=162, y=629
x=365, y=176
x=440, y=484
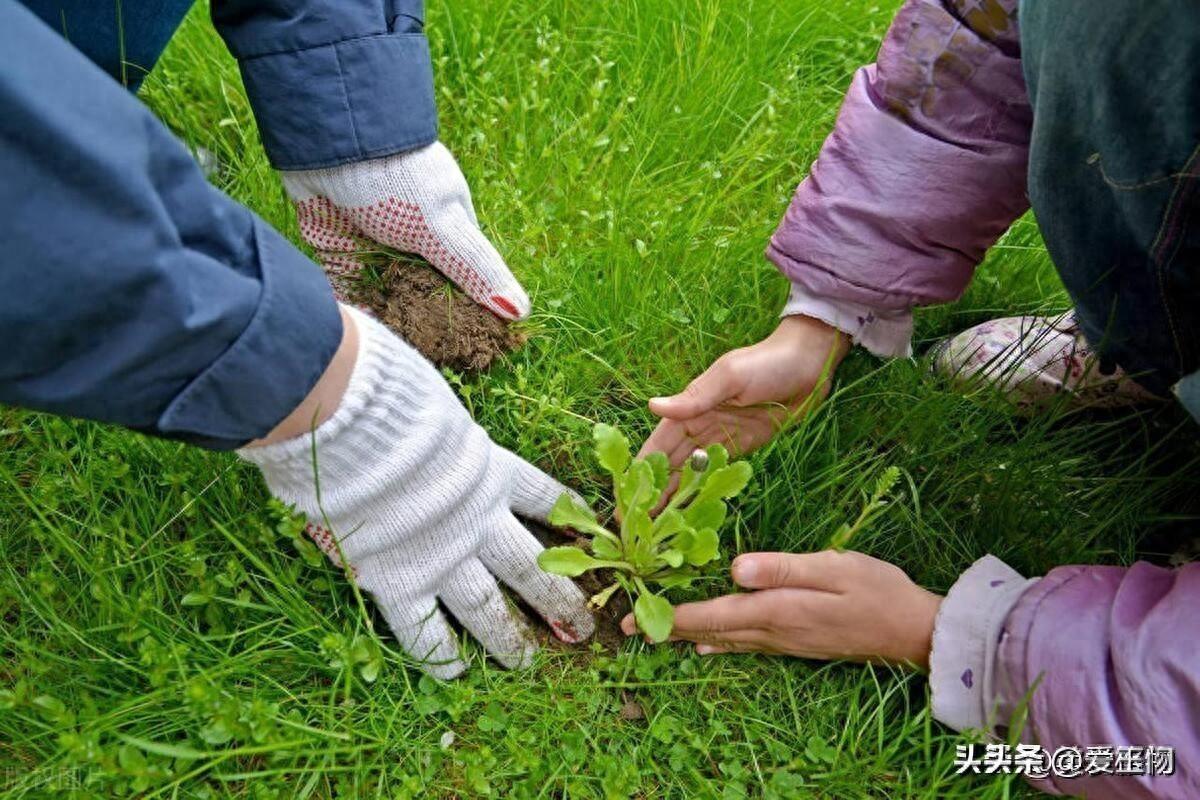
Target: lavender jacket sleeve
x=1112, y=656
x=925, y=168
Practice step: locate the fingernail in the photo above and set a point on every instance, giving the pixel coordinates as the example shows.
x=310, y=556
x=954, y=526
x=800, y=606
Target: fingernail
x=744, y=569
x=705, y=649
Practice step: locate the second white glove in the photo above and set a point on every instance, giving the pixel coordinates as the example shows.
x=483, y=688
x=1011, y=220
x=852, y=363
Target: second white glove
x=417, y=202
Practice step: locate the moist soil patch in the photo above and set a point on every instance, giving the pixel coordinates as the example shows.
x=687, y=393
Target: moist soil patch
x=432, y=315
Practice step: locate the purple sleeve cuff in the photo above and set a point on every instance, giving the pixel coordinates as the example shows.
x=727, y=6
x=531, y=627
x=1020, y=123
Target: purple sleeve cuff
x=966, y=636
x=887, y=334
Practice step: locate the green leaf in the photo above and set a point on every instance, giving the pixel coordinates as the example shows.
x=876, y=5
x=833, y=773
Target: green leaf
x=726, y=481
x=654, y=616
x=570, y=561
x=360, y=650
x=216, y=733
x=685, y=538
x=179, y=751
x=703, y=547
x=672, y=557
x=51, y=707
x=566, y=513
x=612, y=449
x=195, y=599
x=637, y=533
x=818, y=751
x=638, y=526
x=635, y=490
x=660, y=468
x=689, y=481
x=130, y=758
x=493, y=719
x=667, y=524
x=678, y=579
x=873, y=505
x=705, y=514
x=605, y=547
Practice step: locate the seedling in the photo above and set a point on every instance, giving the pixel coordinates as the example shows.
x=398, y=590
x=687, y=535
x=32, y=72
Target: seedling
x=667, y=550
x=873, y=505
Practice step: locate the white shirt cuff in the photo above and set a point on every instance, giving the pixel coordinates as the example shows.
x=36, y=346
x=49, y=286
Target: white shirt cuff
x=884, y=333
x=966, y=635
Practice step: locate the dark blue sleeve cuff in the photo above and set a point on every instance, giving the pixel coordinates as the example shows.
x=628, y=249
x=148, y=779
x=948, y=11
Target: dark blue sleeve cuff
x=336, y=103
x=272, y=365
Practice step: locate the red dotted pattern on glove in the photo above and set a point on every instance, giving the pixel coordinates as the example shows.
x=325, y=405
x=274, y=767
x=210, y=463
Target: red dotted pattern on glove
x=323, y=538
x=334, y=231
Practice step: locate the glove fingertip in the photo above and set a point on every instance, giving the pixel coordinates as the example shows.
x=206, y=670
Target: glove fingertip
x=573, y=630
x=510, y=307
x=521, y=659
x=575, y=623
x=445, y=671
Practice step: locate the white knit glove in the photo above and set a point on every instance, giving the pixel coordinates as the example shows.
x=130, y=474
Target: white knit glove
x=417, y=202
x=421, y=503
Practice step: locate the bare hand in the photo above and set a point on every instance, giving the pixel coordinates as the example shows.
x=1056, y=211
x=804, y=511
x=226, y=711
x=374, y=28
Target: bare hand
x=828, y=605
x=751, y=393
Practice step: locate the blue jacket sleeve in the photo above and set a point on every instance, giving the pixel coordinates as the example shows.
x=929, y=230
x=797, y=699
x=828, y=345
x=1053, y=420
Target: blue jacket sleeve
x=131, y=290
x=333, y=81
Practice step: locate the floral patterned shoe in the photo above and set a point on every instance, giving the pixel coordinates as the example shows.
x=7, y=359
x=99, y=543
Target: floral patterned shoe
x=1035, y=359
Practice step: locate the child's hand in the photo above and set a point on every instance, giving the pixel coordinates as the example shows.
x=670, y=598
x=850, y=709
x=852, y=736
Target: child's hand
x=827, y=605
x=751, y=393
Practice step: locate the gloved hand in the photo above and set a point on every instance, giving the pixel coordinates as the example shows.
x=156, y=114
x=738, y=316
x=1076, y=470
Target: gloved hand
x=420, y=502
x=417, y=202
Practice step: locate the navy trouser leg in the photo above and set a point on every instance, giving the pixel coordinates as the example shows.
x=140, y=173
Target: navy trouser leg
x=1114, y=172
x=124, y=39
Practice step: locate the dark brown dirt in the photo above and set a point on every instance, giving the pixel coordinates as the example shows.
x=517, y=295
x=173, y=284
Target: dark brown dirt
x=608, y=619
x=432, y=315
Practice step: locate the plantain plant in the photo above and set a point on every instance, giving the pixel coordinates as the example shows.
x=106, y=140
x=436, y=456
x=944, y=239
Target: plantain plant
x=666, y=551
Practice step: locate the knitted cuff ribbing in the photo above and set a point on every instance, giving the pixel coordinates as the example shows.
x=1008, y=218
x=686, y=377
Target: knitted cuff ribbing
x=382, y=358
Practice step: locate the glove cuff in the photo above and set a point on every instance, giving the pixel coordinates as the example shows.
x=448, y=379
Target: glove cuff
x=388, y=389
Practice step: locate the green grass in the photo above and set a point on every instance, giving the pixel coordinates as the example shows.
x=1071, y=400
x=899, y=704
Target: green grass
x=167, y=633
